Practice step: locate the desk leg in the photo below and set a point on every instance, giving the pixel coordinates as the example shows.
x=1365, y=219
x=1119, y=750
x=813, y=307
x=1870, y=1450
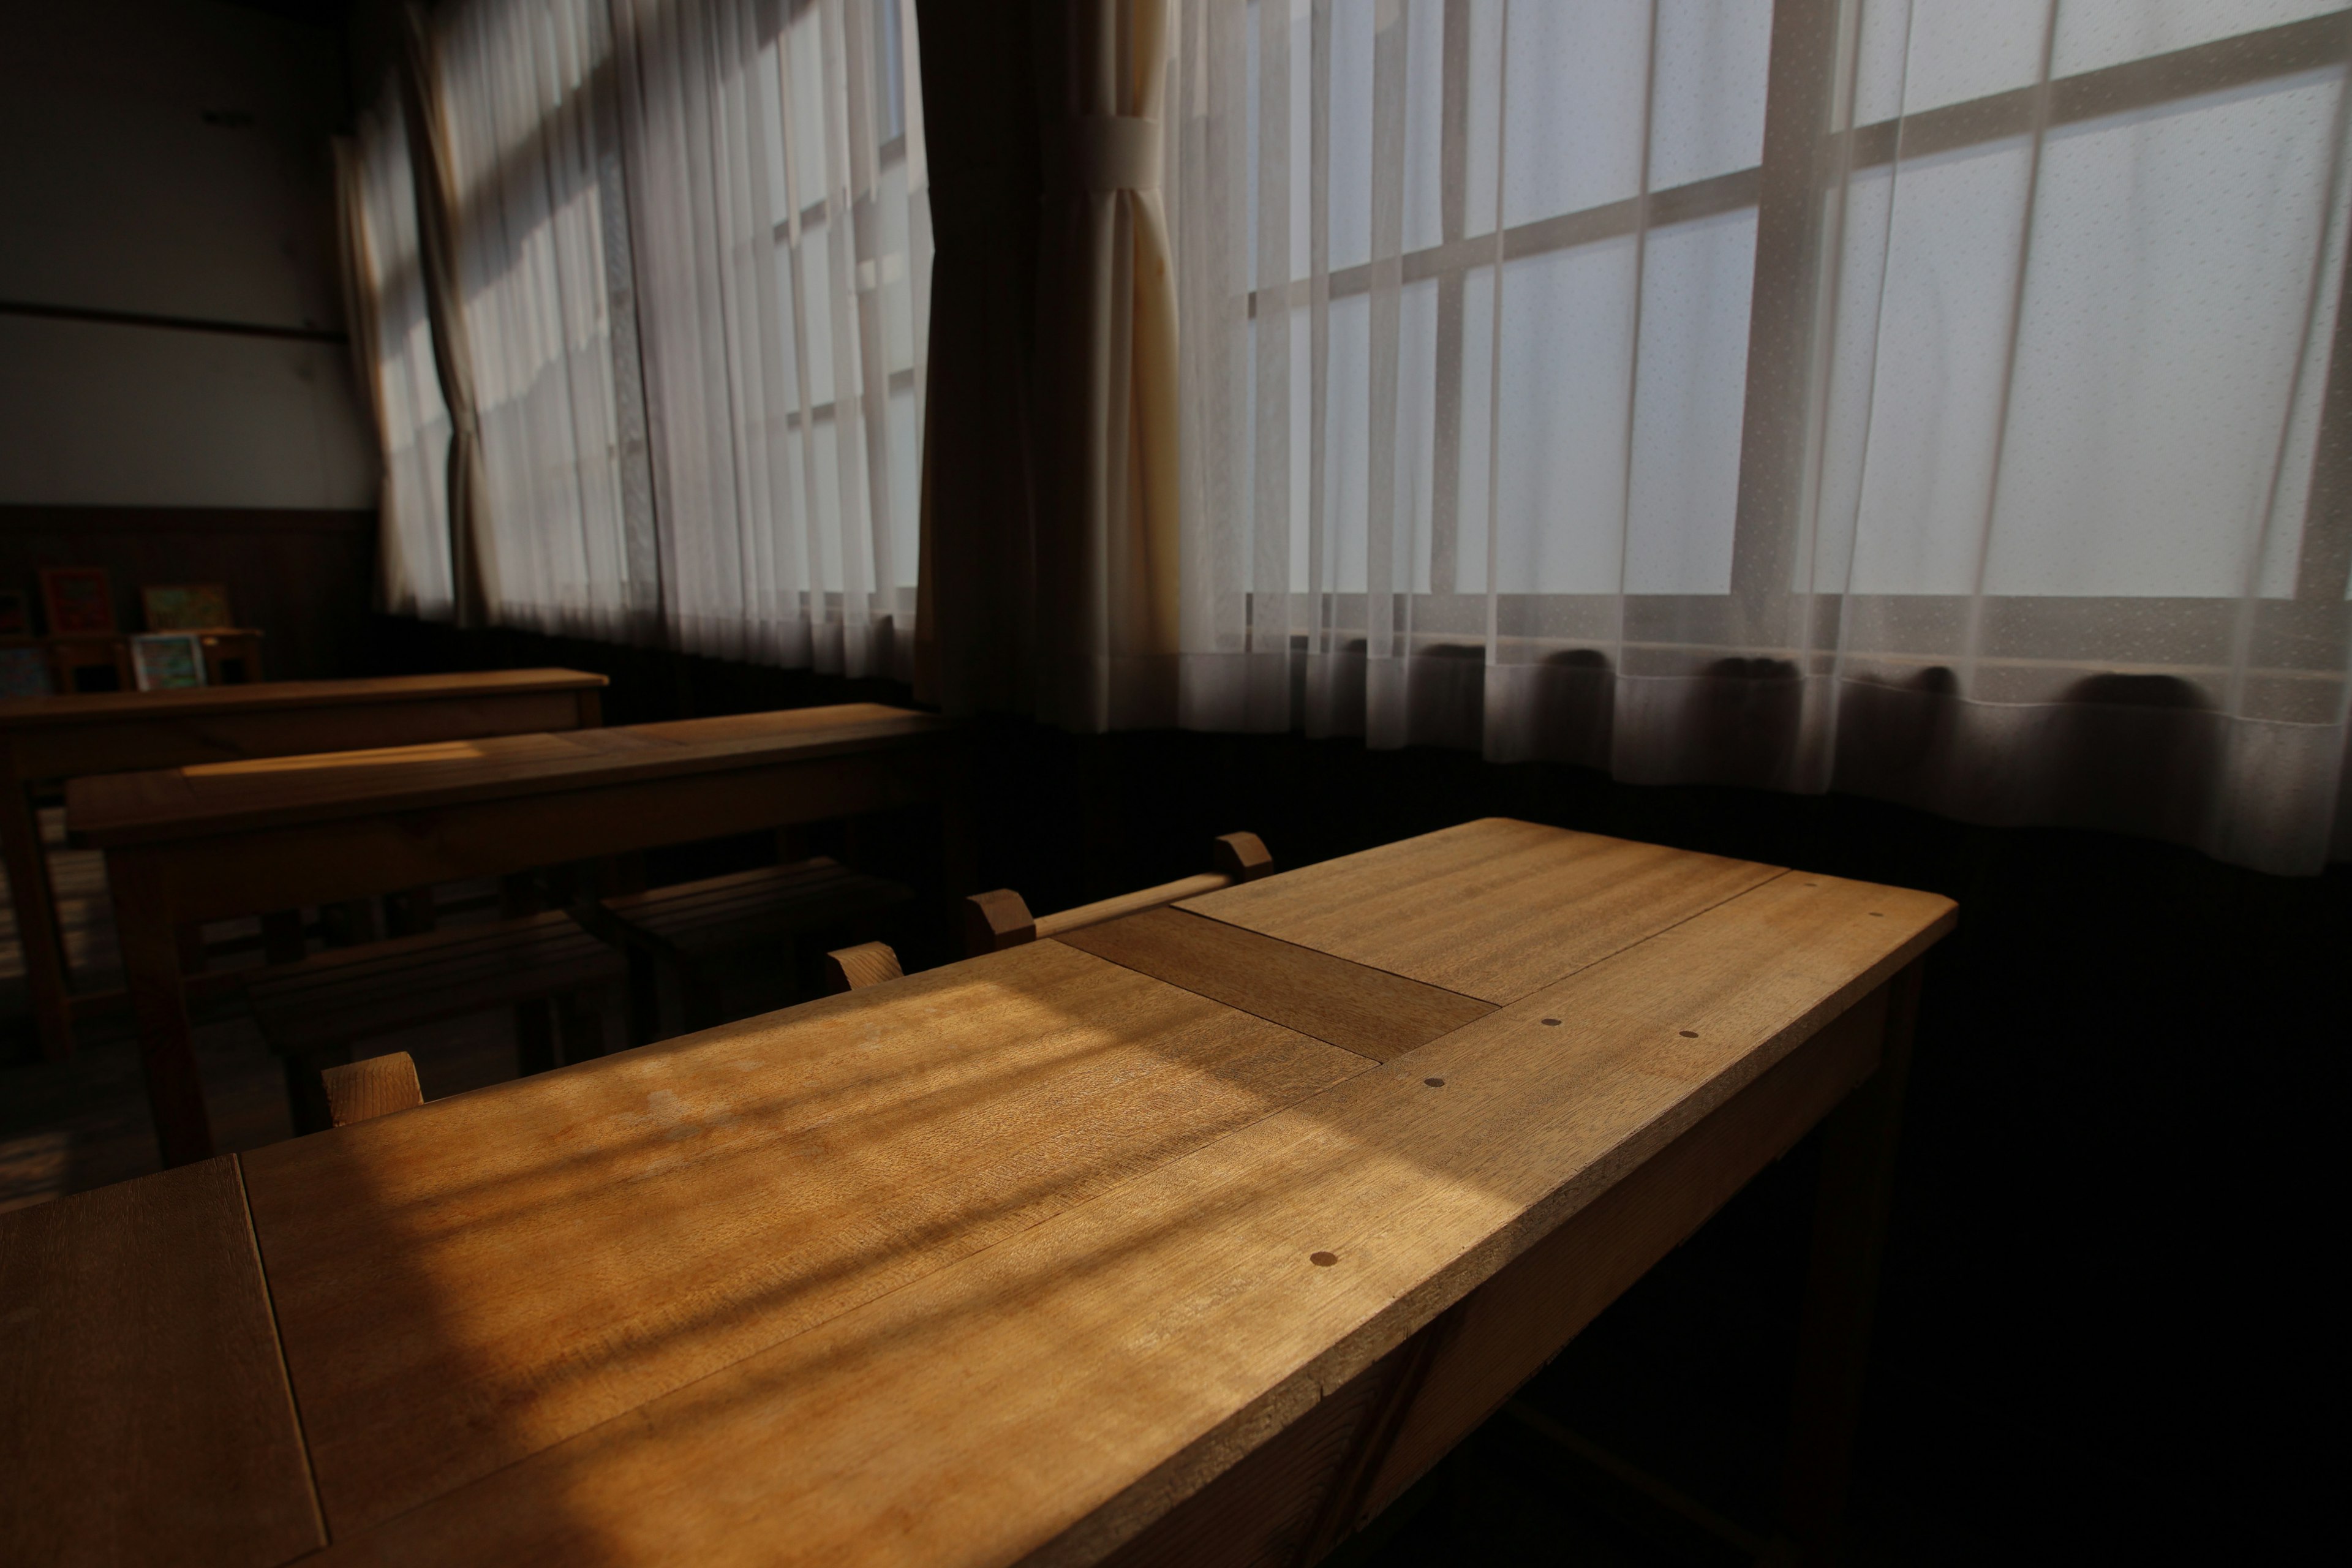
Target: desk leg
x=37, y=916
x=282, y=939
x=1857, y=1182
x=149, y=941
x=960, y=825
x=409, y=913
x=534, y=1022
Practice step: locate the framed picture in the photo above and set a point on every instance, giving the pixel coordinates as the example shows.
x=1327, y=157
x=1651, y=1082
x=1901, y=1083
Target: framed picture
x=16, y=613
x=77, y=599
x=165, y=660
x=185, y=607
x=24, y=672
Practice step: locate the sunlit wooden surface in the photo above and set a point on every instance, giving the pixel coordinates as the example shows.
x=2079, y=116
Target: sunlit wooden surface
x=1040, y=1257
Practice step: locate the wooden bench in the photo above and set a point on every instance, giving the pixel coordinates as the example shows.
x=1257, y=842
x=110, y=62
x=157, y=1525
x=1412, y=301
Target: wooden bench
x=995, y=920
x=191, y=844
x=674, y=935
x=312, y=1012
x=45, y=739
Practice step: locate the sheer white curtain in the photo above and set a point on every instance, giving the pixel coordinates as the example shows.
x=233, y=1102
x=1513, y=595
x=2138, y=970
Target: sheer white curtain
x=528, y=93
x=694, y=250
x=1930, y=398
x=782, y=235
x=395, y=339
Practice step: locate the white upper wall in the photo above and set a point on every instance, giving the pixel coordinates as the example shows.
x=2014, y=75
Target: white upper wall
x=117, y=195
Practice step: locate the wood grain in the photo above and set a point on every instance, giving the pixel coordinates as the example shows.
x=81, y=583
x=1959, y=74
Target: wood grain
x=1368, y=1011
x=764, y=726
x=107, y=707
x=186, y=740
x=1047, y=1398
x=363, y=1090
x=143, y=1410
x=268, y=863
x=286, y=790
x=867, y=963
x=1263, y=1512
x=463, y=1286
x=1491, y=909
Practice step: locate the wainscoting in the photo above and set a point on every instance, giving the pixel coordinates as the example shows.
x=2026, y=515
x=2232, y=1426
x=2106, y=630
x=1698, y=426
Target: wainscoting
x=305, y=578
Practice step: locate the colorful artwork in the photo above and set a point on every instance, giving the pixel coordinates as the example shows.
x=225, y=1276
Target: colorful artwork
x=185, y=607
x=24, y=672
x=16, y=613
x=168, y=661
x=77, y=598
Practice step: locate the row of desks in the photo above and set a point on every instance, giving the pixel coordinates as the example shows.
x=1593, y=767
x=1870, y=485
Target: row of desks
x=239, y=827
x=44, y=739
x=1191, y=1238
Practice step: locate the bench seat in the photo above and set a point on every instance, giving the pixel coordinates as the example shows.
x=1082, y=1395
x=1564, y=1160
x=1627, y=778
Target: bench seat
x=672, y=933
x=311, y=1012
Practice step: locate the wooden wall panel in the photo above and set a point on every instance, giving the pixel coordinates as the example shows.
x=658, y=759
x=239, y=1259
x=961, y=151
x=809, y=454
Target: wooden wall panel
x=305, y=578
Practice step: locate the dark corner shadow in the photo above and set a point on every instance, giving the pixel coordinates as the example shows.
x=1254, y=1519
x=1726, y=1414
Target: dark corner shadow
x=2135, y=753
x=1568, y=710
x=1745, y=714
x=1895, y=740
x=1445, y=696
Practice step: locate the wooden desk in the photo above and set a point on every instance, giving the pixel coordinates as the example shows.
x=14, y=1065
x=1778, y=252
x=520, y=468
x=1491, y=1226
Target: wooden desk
x=153, y=1291
x=231, y=838
x=44, y=739
x=1043, y=1258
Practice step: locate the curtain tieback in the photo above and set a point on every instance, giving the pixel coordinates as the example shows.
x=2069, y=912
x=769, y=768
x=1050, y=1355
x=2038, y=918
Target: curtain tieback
x=1111, y=153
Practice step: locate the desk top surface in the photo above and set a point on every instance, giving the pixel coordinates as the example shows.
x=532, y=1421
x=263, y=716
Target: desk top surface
x=118, y=706
x=1004, y=1257
x=266, y=792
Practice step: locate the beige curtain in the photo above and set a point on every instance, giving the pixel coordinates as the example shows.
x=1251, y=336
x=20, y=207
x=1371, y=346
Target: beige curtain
x=1050, y=533
x=355, y=274
x=1106, y=533
x=392, y=352
x=436, y=205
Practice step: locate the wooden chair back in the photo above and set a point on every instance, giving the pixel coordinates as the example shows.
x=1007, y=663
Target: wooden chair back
x=854, y=968
x=997, y=920
x=376, y=1087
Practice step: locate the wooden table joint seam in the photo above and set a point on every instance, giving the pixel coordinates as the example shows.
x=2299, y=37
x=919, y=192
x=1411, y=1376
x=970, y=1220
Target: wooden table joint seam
x=286, y=1369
